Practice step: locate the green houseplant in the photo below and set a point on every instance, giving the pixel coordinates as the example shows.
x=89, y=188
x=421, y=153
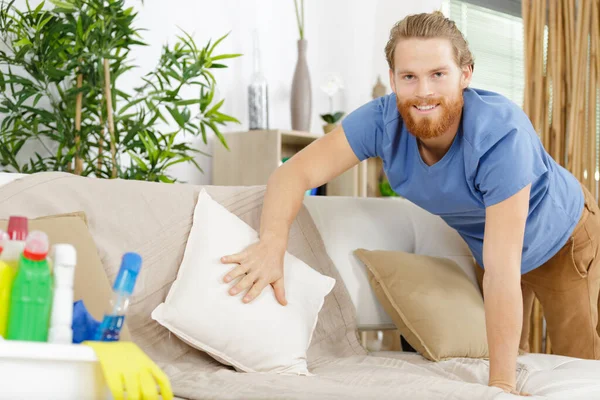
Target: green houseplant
x=331, y=120
x=60, y=97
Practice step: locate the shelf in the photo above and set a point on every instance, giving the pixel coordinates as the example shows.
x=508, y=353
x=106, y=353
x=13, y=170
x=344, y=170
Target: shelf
x=255, y=154
x=298, y=138
x=288, y=137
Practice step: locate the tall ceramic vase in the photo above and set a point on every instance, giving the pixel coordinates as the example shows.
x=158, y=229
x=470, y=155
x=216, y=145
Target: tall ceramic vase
x=301, y=92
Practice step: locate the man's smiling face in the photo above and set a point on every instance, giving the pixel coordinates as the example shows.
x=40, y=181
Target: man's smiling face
x=428, y=85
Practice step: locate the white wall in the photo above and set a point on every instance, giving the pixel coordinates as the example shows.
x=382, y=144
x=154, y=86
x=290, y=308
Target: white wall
x=345, y=37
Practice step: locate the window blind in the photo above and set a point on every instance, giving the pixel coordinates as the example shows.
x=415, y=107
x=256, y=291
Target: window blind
x=496, y=41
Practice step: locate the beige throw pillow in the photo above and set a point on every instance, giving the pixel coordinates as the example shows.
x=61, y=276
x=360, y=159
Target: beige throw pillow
x=432, y=302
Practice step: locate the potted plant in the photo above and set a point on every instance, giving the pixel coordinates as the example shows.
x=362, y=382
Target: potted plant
x=63, y=107
x=331, y=121
x=330, y=88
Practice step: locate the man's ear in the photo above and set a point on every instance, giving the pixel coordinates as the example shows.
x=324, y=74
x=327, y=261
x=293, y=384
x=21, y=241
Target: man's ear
x=392, y=81
x=466, y=76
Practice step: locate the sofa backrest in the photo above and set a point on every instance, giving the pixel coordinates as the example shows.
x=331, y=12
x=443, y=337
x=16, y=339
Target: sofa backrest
x=154, y=220
x=348, y=223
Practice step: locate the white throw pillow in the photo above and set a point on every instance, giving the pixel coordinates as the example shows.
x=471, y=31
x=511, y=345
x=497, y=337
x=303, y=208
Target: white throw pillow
x=260, y=336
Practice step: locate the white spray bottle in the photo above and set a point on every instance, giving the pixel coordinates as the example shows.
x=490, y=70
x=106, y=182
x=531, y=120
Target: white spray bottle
x=61, y=320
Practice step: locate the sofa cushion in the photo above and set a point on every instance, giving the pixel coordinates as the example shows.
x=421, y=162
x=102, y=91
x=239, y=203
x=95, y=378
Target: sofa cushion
x=262, y=336
x=90, y=283
x=431, y=300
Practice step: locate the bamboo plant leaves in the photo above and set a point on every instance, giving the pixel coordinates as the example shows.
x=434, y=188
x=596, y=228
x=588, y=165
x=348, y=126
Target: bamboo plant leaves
x=61, y=93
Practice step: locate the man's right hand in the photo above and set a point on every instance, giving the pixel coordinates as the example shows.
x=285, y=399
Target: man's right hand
x=260, y=264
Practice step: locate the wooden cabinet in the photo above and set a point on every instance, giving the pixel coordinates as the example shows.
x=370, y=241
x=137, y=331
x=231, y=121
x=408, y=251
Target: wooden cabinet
x=254, y=155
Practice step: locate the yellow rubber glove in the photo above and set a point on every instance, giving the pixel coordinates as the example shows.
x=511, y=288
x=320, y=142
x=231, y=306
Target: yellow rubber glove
x=127, y=368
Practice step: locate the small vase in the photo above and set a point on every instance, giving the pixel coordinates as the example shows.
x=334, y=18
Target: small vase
x=301, y=92
x=258, y=94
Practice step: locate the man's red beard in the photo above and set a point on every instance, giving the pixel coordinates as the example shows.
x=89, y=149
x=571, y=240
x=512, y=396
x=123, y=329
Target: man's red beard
x=429, y=127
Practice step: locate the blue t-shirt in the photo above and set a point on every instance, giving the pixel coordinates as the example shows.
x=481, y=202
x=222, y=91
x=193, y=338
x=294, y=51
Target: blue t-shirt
x=496, y=153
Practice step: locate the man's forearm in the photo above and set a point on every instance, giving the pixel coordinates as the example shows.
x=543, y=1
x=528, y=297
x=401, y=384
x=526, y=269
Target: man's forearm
x=283, y=199
x=504, y=320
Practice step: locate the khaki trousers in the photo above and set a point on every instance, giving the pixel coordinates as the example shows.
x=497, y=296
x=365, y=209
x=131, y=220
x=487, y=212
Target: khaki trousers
x=568, y=288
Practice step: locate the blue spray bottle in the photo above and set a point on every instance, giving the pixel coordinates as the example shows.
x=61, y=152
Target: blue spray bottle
x=111, y=325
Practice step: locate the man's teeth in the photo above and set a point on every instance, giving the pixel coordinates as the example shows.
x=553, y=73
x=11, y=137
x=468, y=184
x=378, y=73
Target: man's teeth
x=425, y=108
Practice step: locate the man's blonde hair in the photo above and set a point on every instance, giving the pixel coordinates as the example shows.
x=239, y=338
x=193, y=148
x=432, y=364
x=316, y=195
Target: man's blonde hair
x=426, y=26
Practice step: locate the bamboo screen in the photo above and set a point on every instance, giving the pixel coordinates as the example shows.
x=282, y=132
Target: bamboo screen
x=562, y=63
x=562, y=86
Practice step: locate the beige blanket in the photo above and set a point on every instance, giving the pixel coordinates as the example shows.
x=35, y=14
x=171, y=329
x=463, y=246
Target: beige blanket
x=155, y=219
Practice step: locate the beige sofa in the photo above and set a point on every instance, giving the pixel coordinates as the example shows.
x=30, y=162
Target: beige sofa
x=154, y=220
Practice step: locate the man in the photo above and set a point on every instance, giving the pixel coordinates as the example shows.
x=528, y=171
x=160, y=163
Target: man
x=473, y=158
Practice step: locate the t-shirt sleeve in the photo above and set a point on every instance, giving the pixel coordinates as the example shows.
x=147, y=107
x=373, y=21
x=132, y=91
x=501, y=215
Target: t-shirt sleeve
x=364, y=129
x=512, y=163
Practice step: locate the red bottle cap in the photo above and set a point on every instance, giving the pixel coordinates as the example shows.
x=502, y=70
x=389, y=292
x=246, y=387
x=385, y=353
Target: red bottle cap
x=17, y=228
x=36, y=246
x=3, y=237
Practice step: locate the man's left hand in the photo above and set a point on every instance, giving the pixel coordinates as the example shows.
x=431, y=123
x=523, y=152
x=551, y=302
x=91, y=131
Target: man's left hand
x=509, y=389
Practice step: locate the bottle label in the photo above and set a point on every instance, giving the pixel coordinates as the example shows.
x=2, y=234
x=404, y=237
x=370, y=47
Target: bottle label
x=110, y=328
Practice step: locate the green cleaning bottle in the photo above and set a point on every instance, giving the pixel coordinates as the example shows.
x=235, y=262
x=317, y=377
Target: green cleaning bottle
x=31, y=296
